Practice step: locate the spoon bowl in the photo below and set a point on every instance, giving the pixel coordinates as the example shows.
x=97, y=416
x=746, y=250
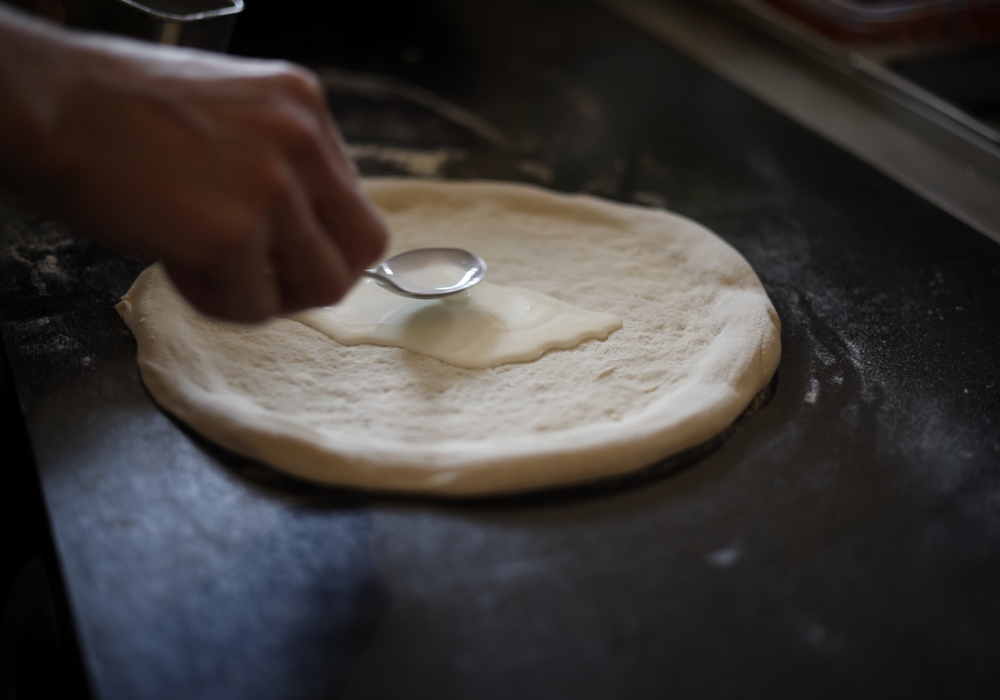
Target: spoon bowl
x=429, y=273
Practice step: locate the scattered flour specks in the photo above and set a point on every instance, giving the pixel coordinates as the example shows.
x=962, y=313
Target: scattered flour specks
x=723, y=558
x=813, y=392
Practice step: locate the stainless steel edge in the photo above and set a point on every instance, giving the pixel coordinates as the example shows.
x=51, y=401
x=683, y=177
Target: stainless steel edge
x=847, y=100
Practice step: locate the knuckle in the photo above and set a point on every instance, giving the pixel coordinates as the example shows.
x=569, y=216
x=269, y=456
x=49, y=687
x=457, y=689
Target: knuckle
x=311, y=88
x=302, y=85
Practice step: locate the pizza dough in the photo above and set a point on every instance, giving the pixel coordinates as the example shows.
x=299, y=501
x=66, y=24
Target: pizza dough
x=699, y=339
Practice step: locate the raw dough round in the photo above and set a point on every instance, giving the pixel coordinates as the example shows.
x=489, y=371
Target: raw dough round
x=699, y=339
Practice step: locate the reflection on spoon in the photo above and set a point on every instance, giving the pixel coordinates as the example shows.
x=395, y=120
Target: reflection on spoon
x=429, y=273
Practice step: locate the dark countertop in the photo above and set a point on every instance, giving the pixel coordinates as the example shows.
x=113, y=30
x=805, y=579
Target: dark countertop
x=845, y=540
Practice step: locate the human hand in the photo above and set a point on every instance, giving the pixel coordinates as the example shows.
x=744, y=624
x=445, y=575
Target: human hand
x=230, y=171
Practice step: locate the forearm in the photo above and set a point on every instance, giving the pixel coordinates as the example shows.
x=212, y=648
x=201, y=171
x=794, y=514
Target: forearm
x=35, y=61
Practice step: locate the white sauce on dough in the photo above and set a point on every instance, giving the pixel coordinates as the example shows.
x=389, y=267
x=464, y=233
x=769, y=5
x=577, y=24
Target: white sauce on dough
x=489, y=325
x=699, y=339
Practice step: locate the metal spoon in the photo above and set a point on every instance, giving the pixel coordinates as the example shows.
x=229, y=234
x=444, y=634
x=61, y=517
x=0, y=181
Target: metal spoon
x=429, y=273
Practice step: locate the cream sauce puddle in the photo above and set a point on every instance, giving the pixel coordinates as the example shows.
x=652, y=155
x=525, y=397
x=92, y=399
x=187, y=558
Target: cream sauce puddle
x=486, y=326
